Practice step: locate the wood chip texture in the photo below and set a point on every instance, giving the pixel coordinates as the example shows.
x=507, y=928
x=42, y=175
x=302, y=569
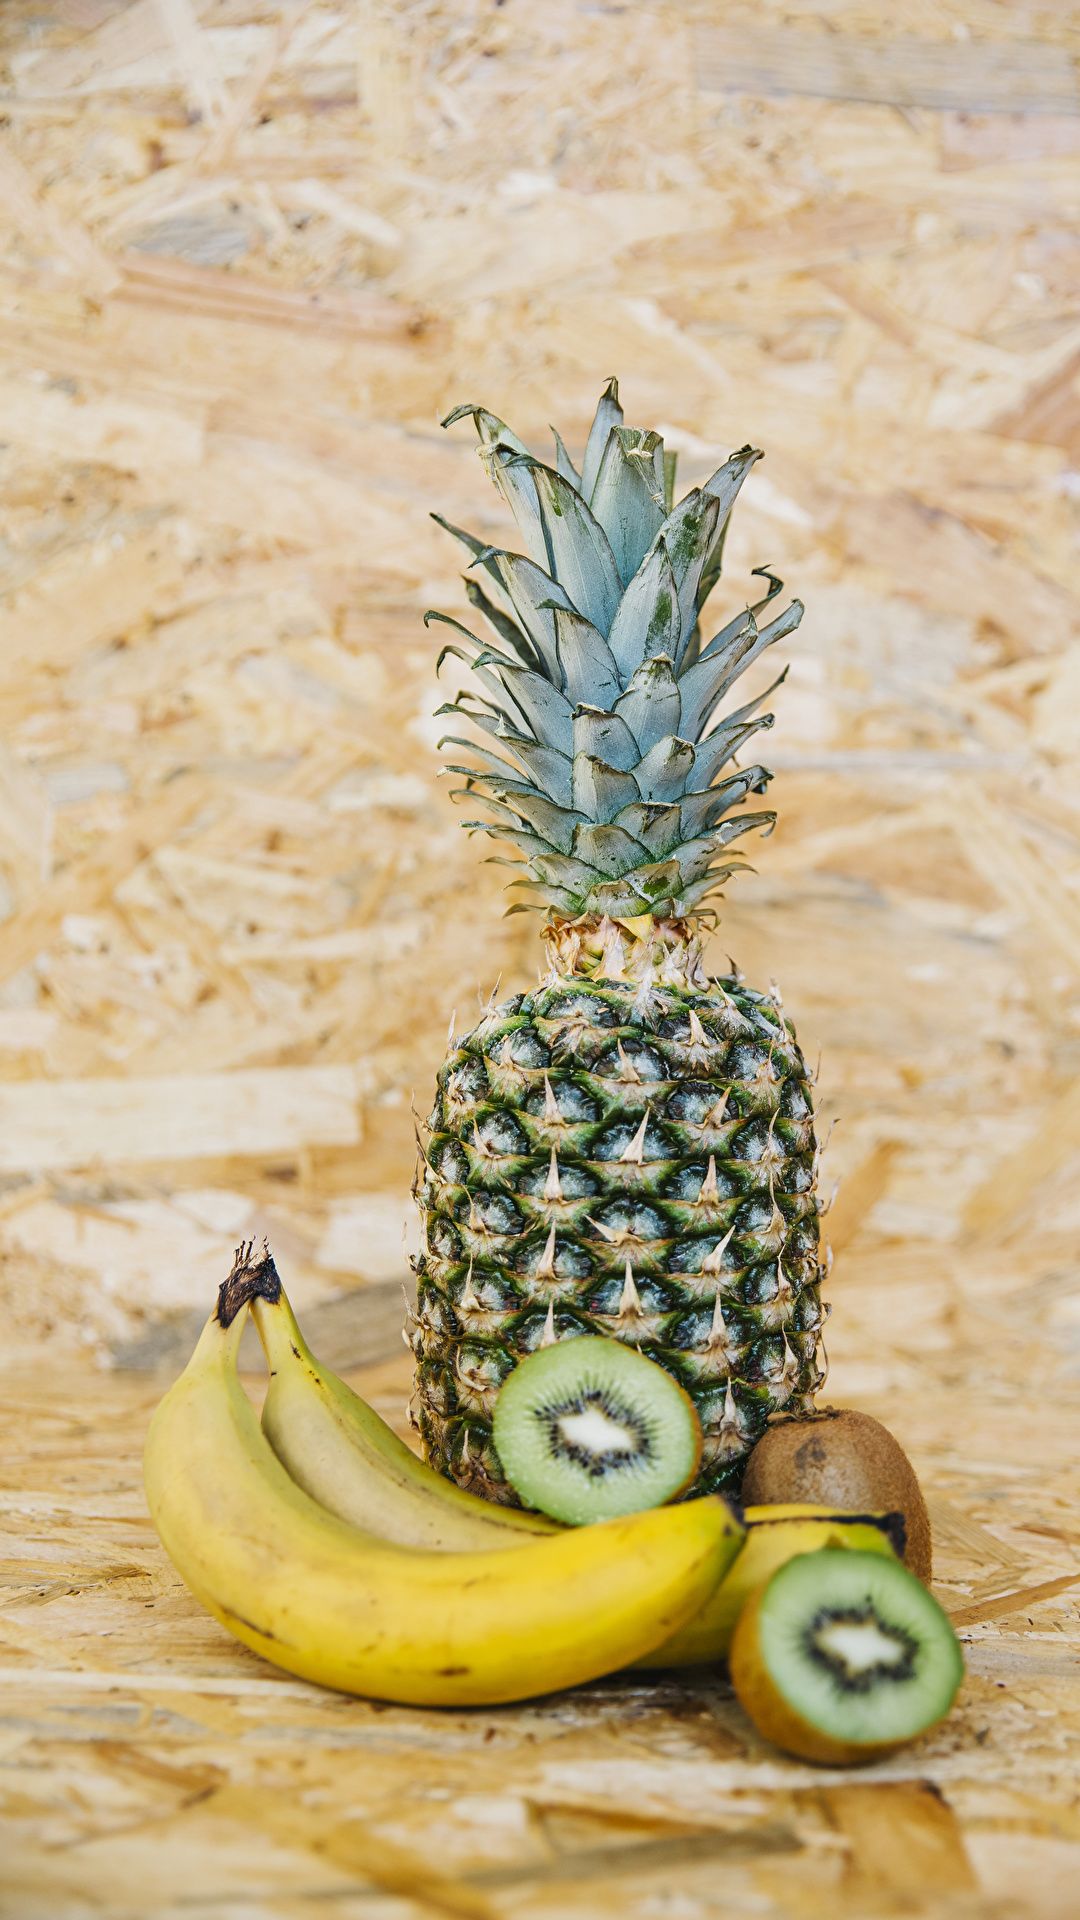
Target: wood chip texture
x=249, y=255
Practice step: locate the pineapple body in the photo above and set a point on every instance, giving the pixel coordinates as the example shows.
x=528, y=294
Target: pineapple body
x=625, y=1158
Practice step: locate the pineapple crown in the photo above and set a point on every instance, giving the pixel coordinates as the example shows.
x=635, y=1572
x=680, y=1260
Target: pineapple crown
x=619, y=792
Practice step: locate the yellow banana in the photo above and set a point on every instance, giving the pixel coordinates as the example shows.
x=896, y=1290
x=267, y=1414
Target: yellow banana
x=339, y=1450
x=340, y=1606
x=773, y=1535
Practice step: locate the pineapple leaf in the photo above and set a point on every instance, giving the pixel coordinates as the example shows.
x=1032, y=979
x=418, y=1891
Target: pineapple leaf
x=507, y=828
x=735, y=630
x=724, y=488
x=651, y=705
x=498, y=774
x=738, y=714
x=607, y=736
x=725, y=483
x=472, y=706
x=608, y=414
x=649, y=620
x=600, y=790
x=547, y=770
x=691, y=857
x=448, y=620
x=618, y=901
x=610, y=849
x=588, y=670
x=775, y=586
x=481, y=553
x=689, y=898
x=688, y=534
x=476, y=547
x=696, y=857
x=504, y=822
x=717, y=748
x=497, y=704
x=563, y=870
x=544, y=710
x=664, y=771
x=657, y=881
x=703, y=684
x=730, y=830
x=534, y=596
x=491, y=431
x=704, y=809
x=628, y=498
x=547, y=713
x=656, y=825
x=721, y=664
x=784, y=623
x=564, y=903
x=577, y=551
x=512, y=473
x=506, y=628
x=563, y=462
x=554, y=824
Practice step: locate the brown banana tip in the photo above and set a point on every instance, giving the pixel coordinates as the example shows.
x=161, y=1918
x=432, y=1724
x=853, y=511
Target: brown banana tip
x=249, y=1279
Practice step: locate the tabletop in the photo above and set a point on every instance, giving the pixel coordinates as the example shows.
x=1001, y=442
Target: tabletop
x=250, y=255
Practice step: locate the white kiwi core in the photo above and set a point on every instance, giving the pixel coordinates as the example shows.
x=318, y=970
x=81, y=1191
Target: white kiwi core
x=594, y=1430
x=859, y=1645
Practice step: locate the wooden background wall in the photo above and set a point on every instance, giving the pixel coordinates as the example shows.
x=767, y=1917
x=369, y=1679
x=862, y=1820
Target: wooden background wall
x=250, y=254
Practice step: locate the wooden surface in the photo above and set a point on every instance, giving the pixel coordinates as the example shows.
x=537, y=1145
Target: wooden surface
x=250, y=254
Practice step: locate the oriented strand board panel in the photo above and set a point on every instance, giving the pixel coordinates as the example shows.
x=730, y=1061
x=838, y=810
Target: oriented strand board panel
x=177, y=1116
x=249, y=256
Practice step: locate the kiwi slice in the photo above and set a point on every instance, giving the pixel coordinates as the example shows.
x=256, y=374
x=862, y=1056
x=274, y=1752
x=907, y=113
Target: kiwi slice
x=588, y=1429
x=844, y=1656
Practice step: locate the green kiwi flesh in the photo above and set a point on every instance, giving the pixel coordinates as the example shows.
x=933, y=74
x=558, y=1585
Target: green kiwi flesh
x=857, y=1648
x=589, y=1429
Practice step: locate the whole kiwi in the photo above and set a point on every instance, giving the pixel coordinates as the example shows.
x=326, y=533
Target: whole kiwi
x=835, y=1457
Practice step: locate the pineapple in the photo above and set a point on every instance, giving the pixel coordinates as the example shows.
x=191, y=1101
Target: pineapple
x=627, y=1149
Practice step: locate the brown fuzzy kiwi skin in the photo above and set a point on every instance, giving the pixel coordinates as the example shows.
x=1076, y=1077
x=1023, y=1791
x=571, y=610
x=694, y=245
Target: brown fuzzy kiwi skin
x=774, y=1717
x=836, y=1457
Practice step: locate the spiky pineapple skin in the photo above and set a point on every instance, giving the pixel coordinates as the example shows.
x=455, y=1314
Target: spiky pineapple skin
x=697, y=1241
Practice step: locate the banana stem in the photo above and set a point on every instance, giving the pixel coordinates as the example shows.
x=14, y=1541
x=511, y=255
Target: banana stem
x=249, y=1279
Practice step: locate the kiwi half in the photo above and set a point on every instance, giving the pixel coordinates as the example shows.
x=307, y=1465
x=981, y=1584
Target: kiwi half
x=844, y=1656
x=588, y=1429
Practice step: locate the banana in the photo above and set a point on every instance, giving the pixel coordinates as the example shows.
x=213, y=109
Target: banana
x=338, y=1449
x=773, y=1535
x=337, y=1605
x=340, y=1452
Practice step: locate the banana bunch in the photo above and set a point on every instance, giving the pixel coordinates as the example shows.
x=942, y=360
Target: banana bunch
x=337, y=1602
x=322, y=1542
